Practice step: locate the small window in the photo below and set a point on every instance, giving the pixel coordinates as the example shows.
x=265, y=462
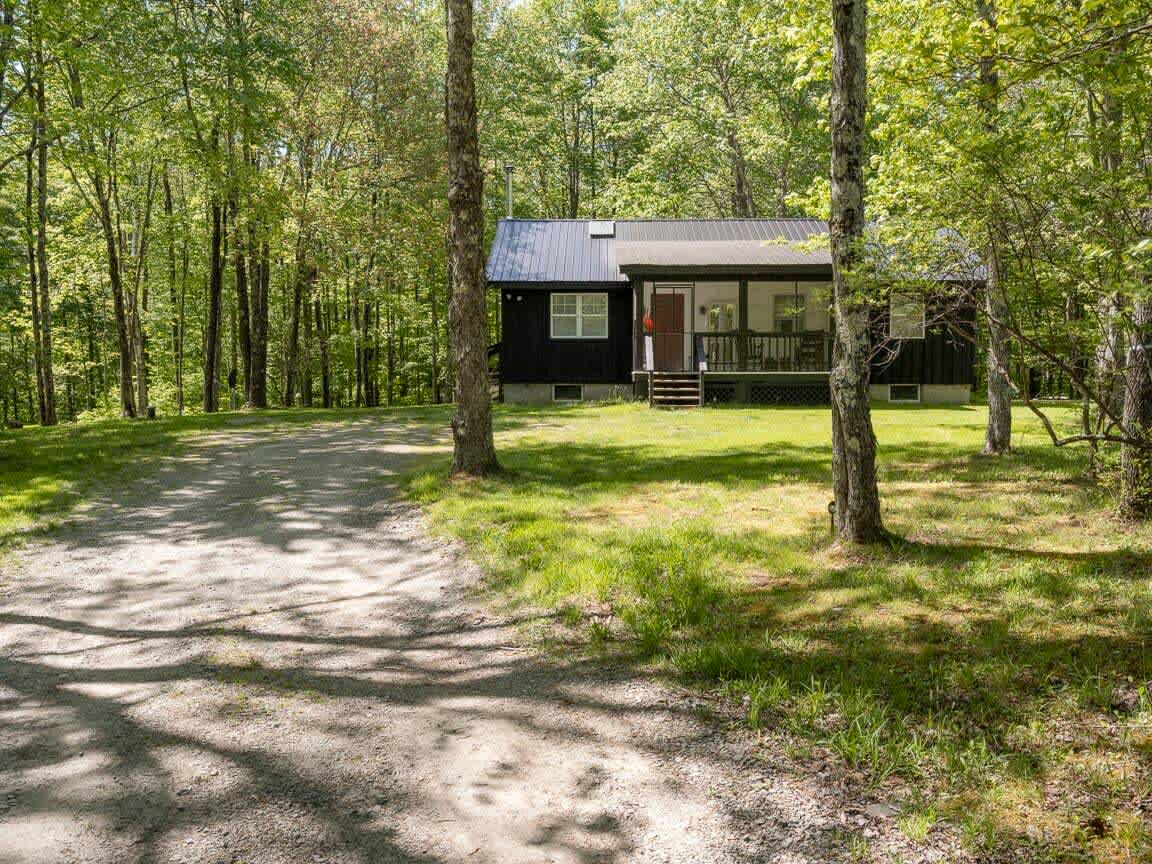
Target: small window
x=903, y=392
x=579, y=316
x=567, y=392
x=906, y=317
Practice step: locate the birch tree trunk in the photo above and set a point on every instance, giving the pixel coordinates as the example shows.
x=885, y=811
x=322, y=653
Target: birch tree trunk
x=998, y=433
x=474, y=452
x=853, y=441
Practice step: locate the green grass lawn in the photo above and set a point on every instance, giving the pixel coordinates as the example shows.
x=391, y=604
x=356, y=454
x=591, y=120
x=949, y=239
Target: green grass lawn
x=991, y=671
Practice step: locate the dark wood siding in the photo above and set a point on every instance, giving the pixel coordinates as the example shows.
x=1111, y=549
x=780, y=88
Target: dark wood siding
x=530, y=355
x=943, y=356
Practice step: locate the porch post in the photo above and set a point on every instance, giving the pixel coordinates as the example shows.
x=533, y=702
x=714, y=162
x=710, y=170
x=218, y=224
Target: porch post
x=742, y=338
x=637, y=324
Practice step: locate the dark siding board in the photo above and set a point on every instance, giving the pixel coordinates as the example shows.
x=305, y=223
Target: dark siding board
x=943, y=356
x=530, y=355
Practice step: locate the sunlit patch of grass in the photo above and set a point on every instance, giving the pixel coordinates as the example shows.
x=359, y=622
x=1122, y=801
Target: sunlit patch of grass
x=917, y=821
x=977, y=662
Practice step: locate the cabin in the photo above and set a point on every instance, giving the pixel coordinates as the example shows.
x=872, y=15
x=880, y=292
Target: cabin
x=698, y=311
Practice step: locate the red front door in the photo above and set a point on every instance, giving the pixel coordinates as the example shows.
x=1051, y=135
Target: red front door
x=668, y=332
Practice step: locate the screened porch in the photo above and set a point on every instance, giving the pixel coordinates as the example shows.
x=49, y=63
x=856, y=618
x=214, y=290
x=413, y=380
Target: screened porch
x=733, y=326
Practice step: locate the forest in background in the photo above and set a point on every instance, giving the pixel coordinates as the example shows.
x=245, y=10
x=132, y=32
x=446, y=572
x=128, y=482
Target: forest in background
x=212, y=204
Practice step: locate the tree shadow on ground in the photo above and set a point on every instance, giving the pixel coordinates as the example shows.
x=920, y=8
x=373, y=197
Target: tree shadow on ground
x=253, y=654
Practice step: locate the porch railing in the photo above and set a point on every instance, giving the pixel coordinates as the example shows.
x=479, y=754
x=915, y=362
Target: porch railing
x=751, y=351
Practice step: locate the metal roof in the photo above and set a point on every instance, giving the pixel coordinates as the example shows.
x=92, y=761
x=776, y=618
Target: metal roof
x=727, y=256
x=563, y=250
x=582, y=251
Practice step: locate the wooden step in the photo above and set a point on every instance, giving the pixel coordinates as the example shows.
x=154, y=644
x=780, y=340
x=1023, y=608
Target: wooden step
x=674, y=389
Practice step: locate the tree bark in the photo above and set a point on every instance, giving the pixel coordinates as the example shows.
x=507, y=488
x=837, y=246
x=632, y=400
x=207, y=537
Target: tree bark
x=215, y=291
x=260, y=280
x=998, y=432
x=37, y=211
x=174, y=303
x=325, y=363
x=853, y=440
x=33, y=276
x=119, y=306
x=1136, y=461
x=244, y=324
x=305, y=272
x=474, y=452
x=306, y=357
x=49, y=415
x=435, y=347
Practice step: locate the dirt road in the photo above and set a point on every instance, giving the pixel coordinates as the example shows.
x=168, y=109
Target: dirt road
x=257, y=654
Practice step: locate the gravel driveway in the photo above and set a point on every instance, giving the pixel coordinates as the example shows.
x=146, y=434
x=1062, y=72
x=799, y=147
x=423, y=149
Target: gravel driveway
x=256, y=654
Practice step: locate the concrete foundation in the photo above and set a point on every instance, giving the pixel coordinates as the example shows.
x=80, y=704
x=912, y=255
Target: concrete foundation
x=930, y=394
x=540, y=393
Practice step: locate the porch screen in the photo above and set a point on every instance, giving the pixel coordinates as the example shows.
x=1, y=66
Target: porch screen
x=579, y=316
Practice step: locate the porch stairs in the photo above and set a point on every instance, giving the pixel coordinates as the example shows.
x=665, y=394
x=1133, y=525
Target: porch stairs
x=675, y=390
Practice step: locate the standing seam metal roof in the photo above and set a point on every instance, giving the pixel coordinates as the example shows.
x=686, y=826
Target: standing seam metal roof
x=560, y=250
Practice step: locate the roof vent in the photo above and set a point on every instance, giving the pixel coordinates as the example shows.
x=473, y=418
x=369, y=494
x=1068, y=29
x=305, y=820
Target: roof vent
x=601, y=228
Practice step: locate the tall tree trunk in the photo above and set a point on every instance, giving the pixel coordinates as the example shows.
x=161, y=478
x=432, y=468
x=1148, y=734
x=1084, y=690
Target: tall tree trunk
x=306, y=358
x=49, y=414
x=138, y=248
x=215, y=292
x=33, y=278
x=119, y=305
x=390, y=357
x=260, y=281
x=435, y=346
x=325, y=363
x=853, y=440
x=474, y=452
x=299, y=291
x=998, y=432
x=175, y=302
x=1111, y=352
x=1136, y=461
x=357, y=350
x=743, y=205
x=244, y=324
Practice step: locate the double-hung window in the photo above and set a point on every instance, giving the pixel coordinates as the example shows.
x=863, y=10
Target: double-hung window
x=579, y=316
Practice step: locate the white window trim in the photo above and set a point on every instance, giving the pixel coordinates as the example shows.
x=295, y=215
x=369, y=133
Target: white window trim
x=916, y=401
x=555, y=398
x=579, y=315
x=891, y=317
